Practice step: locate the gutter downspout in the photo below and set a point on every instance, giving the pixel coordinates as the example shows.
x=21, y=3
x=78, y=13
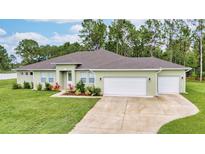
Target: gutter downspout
x=157, y=94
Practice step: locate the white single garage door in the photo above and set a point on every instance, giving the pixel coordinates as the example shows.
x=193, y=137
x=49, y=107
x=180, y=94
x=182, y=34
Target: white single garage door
x=168, y=85
x=125, y=86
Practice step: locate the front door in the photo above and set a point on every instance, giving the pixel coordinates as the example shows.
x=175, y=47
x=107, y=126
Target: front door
x=69, y=77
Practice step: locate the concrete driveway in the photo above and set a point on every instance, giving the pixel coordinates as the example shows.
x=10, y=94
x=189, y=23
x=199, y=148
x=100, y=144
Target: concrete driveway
x=134, y=115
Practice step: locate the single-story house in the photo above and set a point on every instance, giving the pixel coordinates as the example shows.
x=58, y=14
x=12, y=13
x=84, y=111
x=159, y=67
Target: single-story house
x=116, y=75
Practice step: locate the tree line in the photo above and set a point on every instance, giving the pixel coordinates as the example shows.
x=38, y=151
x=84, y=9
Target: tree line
x=175, y=40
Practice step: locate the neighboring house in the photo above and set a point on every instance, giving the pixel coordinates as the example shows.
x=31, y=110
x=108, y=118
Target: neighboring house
x=116, y=75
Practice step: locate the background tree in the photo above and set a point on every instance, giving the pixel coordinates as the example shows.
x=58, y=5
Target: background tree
x=169, y=34
x=199, y=35
x=120, y=37
x=28, y=50
x=185, y=38
x=4, y=59
x=13, y=61
x=154, y=35
x=93, y=33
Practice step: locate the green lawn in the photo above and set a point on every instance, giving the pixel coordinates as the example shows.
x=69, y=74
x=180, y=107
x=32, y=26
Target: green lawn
x=193, y=124
x=28, y=111
x=1, y=71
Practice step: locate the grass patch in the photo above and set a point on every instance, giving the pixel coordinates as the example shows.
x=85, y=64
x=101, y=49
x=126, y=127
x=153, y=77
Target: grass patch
x=193, y=124
x=27, y=111
x=11, y=71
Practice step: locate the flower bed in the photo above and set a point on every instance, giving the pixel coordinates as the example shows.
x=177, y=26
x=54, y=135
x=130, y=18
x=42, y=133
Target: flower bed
x=69, y=93
x=81, y=90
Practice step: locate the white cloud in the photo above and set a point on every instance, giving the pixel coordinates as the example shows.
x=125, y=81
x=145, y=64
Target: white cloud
x=2, y=32
x=76, y=28
x=28, y=35
x=10, y=42
x=60, y=39
x=137, y=22
x=58, y=21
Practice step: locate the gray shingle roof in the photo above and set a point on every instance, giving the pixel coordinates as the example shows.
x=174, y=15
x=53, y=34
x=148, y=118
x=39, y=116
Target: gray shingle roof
x=102, y=59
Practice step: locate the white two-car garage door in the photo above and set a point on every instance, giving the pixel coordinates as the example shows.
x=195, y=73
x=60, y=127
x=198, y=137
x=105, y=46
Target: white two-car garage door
x=125, y=86
x=168, y=85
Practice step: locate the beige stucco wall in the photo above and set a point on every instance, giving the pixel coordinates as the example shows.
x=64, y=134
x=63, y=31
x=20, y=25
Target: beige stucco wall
x=99, y=83
x=21, y=78
x=37, y=77
x=61, y=76
x=151, y=85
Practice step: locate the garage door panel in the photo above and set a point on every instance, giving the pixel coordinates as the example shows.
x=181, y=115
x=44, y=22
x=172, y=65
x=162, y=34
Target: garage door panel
x=168, y=85
x=125, y=86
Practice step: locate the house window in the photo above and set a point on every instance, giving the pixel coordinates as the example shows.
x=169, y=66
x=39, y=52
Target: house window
x=88, y=77
x=50, y=80
x=69, y=76
x=26, y=73
x=83, y=77
x=91, y=78
x=31, y=73
x=51, y=77
x=43, y=77
x=21, y=73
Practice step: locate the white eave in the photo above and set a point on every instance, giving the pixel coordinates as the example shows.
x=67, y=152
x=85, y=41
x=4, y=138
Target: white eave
x=173, y=69
x=107, y=70
x=66, y=63
x=34, y=69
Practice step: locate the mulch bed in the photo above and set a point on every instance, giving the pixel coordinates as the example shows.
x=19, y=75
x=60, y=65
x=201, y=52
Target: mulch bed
x=73, y=94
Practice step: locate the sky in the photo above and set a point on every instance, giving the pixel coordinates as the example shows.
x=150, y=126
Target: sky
x=52, y=32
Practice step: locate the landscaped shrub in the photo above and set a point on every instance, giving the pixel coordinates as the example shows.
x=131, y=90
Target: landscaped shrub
x=96, y=92
x=48, y=86
x=81, y=86
x=90, y=89
x=16, y=86
x=87, y=92
x=26, y=85
x=56, y=87
x=39, y=87
x=77, y=92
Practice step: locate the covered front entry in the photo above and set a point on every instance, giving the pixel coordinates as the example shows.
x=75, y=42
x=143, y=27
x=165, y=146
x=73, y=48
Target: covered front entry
x=125, y=86
x=168, y=84
x=66, y=78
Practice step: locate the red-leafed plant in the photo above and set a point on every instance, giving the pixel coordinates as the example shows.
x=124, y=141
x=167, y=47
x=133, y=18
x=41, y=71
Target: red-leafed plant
x=71, y=87
x=56, y=87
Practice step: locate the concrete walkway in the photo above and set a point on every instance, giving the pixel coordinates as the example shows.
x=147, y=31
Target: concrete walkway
x=134, y=115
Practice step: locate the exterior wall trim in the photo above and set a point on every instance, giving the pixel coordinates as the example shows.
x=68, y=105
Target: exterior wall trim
x=160, y=69
x=123, y=70
x=34, y=69
x=66, y=63
x=186, y=68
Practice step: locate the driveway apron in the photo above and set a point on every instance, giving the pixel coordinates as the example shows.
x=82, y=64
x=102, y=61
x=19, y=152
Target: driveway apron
x=116, y=115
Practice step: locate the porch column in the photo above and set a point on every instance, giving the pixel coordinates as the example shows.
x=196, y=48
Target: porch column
x=58, y=76
x=73, y=76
